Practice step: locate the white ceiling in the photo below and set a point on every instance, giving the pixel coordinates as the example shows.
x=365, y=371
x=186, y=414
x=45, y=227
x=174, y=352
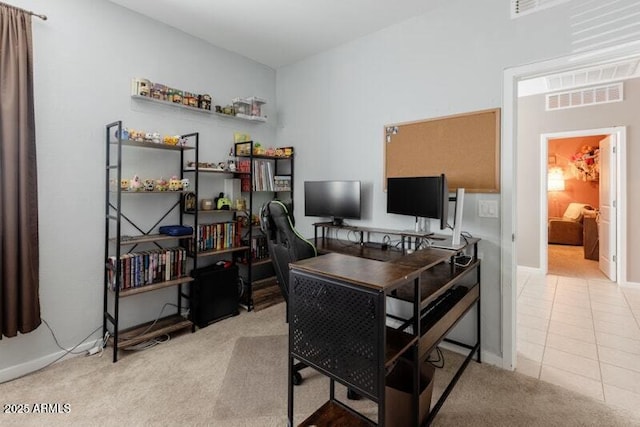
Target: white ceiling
x=279, y=32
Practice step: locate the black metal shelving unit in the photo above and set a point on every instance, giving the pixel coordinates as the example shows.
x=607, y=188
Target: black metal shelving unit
x=116, y=245
x=283, y=166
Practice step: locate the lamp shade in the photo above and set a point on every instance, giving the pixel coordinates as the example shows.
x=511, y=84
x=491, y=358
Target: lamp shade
x=555, y=180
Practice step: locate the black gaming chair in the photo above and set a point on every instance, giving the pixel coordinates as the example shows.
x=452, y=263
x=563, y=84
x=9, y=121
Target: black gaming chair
x=286, y=245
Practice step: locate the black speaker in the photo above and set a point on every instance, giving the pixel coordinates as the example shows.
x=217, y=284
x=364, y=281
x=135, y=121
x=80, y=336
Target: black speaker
x=214, y=294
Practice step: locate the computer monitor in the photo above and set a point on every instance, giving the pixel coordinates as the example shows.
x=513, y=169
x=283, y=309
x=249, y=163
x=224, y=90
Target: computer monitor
x=421, y=197
x=335, y=199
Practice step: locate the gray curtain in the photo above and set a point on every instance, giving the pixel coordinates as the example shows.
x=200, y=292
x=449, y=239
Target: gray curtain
x=19, y=263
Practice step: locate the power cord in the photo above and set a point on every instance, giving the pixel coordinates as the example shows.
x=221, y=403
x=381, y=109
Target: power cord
x=439, y=361
x=66, y=351
x=153, y=342
x=148, y=344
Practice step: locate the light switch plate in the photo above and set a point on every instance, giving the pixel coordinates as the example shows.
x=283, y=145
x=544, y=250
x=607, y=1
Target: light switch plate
x=488, y=208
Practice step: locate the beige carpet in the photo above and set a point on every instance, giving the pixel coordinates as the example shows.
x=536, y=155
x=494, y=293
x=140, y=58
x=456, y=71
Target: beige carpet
x=566, y=260
x=233, y=374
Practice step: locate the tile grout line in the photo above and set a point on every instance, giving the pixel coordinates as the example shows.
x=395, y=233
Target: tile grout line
x=546, y=335
x=633, y=313
x=593, y=321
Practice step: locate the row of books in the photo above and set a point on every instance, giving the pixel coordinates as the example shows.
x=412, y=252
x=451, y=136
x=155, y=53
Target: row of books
x=262, y=175
x=218, y=236
x=259, y=248
x=147, y=267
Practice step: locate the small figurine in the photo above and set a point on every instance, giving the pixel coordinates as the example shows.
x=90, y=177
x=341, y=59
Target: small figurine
x=155, y=138
x=148, y=137
x=231, y=165
x=161, y=184
x=171, y=140
x=139, y=136
x=182, y=141
x=149, y=185
x=135, y=184
x=185, y=184
x=124, y=134
x=124, y=184
x=175, y=184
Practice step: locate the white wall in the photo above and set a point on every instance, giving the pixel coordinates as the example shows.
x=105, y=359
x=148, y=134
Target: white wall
x=333, y=106
x=533, y=121
x=85, y=55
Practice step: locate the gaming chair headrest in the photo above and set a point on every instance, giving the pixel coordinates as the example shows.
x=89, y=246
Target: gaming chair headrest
x=268, y=213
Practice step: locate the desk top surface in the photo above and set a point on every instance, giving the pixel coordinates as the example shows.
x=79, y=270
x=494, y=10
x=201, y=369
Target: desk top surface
x=379, y=275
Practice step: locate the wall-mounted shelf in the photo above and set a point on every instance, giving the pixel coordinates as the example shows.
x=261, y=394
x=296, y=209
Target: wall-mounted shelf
x=243, y=117
x=173, y=104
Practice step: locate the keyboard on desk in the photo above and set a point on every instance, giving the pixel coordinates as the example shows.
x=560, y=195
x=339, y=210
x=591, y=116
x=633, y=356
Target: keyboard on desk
x=440, y=306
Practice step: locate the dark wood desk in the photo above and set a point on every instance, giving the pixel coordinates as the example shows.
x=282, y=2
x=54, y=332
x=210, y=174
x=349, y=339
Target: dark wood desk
x=338, y=322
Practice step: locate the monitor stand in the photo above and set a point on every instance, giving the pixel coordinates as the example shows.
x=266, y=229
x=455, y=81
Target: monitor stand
x=454, y=241
x=422, y=225
x=457, y=221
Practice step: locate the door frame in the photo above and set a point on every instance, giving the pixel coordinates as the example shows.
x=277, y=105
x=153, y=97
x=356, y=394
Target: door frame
x=620, y=175
x=508, y=176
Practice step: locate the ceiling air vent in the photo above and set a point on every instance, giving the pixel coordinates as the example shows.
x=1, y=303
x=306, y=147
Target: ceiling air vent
x=525, y=7
x=585, y=97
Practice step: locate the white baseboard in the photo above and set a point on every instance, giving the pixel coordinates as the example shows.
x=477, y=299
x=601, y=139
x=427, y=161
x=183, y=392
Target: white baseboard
x=486, y=357
x=628, y=284
x=529, y=270
x=31, y=366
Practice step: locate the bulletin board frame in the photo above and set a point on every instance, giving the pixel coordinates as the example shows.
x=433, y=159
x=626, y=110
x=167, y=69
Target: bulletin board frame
x=465, y=147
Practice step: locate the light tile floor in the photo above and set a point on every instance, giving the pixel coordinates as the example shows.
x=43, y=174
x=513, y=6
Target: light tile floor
x=582, y=334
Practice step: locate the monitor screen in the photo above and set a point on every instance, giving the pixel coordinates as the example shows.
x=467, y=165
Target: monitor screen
x=335, y=199
x=424, y=196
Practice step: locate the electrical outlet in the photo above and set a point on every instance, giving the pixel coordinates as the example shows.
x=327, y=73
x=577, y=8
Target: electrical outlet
x=488, y=208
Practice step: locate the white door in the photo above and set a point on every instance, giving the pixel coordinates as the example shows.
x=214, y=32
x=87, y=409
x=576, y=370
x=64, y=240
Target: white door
x=607, y=225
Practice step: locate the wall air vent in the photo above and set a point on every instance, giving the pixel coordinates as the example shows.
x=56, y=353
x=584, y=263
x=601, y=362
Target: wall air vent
x=585, y=97
x=524, y=7
x=593, y=75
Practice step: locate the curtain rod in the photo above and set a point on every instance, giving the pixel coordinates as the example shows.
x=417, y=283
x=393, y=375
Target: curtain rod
x=43, y=17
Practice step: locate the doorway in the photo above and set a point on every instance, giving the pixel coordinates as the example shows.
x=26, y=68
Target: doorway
x=574, y=241
x=509, y=197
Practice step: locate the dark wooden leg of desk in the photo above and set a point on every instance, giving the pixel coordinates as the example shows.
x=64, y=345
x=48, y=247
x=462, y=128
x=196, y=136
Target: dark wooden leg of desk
x=290, y=389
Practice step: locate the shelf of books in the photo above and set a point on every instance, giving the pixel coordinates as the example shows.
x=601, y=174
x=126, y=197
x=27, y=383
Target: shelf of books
x=148, y=270
x=143, y=261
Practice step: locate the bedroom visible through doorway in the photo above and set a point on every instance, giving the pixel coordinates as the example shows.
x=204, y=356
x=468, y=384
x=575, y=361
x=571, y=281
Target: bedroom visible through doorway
x=573, y=178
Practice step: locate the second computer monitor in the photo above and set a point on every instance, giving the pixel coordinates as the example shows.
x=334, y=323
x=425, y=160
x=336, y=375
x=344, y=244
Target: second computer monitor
x=421, y=197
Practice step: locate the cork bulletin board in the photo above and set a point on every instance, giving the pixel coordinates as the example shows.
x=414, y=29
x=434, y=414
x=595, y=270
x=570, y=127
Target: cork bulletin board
x=465, y=147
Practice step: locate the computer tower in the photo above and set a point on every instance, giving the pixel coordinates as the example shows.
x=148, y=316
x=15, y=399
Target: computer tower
x=214, y=294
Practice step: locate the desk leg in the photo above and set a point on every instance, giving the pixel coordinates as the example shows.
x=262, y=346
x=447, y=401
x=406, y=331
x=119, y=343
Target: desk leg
x=290, y=393
x=478, y=310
